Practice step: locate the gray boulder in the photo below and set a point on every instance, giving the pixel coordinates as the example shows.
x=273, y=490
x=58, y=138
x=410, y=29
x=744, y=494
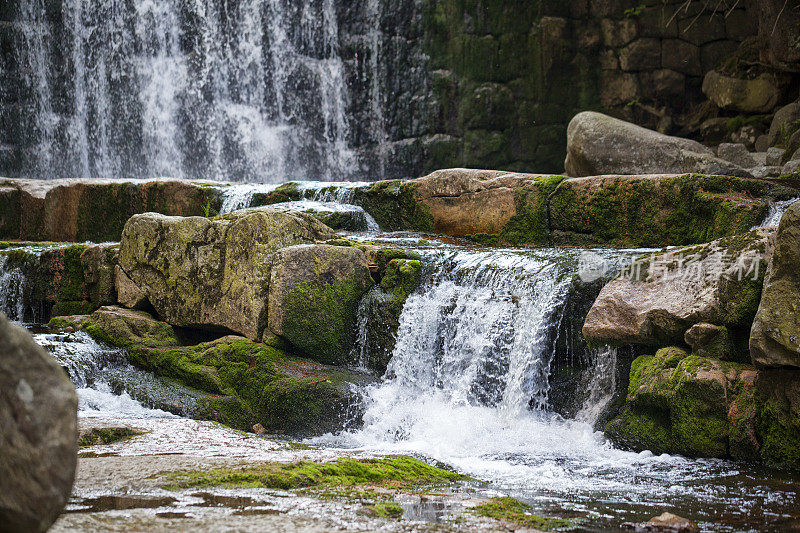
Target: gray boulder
x=598, y=144
x=210, y=273
x=661, y=297
x=736, y=153
x=38, y=433
x=784, y=123
x=759, y=95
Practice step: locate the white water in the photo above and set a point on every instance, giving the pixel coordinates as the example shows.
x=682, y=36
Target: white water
x=775, y=214
x=12, y=284
x=315, y=195
x=87, y=364
x=252, y=90
x=468, y=386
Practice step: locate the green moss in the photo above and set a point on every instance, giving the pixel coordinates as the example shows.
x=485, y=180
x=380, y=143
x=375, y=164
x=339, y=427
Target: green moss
x=395, y=471
x=72, y=308
x=335, y=303
x=684, y=209
x=519, y=513
x=253, y=382
x=388, y=510
x=394, y=206
x=106, y=436
x=531, y=224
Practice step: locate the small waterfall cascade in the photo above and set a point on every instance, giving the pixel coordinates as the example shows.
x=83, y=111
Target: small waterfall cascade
x=253, y=90
x=311, y=196
x=601, y=384
x=480, y=332
x=12, y=285
x=107, y=385
x=775, y=213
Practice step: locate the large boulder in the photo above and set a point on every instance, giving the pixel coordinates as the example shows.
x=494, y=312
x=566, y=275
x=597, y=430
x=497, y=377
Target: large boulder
x=314, y=292
x=681, y=403
x=759, y=95
x=657, y=210
x=598, y=144
x=775, y=337
x=784, y=124
x=212, y=273
x=657, y=299
x=38, y=433
x=706, y=407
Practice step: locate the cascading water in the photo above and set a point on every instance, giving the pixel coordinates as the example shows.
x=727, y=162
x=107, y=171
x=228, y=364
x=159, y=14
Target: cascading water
x=312, y=196
x=98, y=373
x=468, y=384
x=776, y=211
x=240, y=91
x=12, y=283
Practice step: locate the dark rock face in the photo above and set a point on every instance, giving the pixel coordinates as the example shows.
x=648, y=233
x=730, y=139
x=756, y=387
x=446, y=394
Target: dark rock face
x=38, y=433
x=775, y=337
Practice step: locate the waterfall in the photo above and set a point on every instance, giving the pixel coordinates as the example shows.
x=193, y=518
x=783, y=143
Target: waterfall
x=12, y=284
x=601, y=384
x=252, y=90
x=105, y=381
x=775, y=213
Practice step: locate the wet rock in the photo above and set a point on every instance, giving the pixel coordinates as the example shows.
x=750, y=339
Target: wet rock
x=737, y=154
x=212, y=273
x=381, y=308
x=775, y=336
x=666, y=523
x=335, y=216
x=777, y=427
x=314, y=291
x=659, y=298
x=598, y=144
x=709, y=340
x=38, y=433
x=759, y=95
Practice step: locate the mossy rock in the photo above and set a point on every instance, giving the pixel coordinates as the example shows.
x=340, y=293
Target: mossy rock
x=395, y=471
x=253, y=382
x=680, y=403
x=658, y=210
x=314, y=295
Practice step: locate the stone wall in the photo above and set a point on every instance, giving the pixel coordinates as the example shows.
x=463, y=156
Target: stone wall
x=492, y=84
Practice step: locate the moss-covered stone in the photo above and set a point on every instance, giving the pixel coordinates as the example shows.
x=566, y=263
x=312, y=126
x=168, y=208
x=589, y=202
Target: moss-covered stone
x=395, y=471
x=97, y=436
x=254, y=382
x=212, y=274
x=394, y=206
x=313, y=298
x=680, y=403
x=518, y=513
x=657, y=211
